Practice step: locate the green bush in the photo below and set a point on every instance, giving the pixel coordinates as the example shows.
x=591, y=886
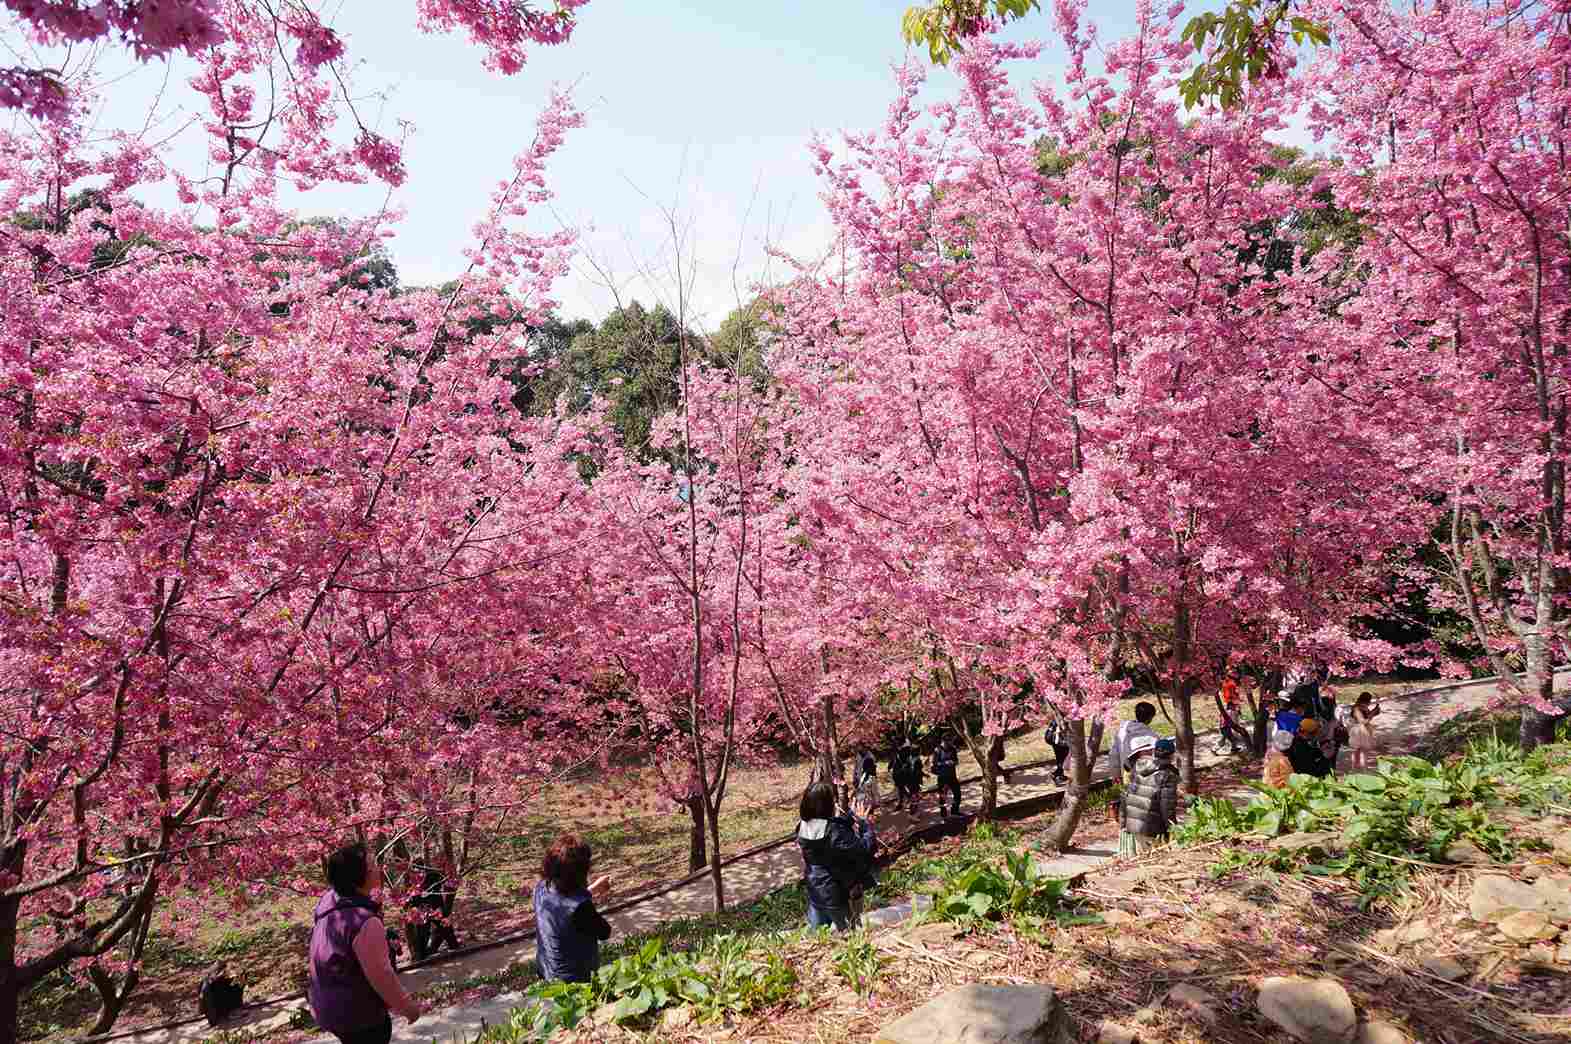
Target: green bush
x=1408, y=809
x=981, y=892
x=727, y=975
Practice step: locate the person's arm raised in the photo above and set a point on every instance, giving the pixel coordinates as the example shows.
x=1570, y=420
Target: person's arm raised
x=371, y=951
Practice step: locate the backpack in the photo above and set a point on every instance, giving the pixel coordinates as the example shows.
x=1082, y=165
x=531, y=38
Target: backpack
x=219, y=996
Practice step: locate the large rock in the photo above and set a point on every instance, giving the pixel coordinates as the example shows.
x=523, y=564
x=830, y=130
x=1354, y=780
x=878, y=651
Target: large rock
x=1563, y=848
x=1555, y=892
x=1495, y=898
x=1195, y=1002
x=1319, y=841
x=1315, y=1011
x=1381, y=1033
x=978, y=1014
x=1526, y=926
x=1467, y=853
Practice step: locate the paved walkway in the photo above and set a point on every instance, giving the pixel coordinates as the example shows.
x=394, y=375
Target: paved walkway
x=1405, y=719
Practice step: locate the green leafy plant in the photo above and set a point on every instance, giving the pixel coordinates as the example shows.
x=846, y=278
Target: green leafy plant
x=859, y=962
x=981, y=892
x=1408, y=809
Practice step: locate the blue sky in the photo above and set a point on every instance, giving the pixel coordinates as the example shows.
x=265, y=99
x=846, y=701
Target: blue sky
x=705, y=107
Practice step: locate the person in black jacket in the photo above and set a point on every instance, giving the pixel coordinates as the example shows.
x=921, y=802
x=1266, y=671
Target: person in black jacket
x=837, y=858
x=946, y=766
x=1305, y=753
x=905, y=768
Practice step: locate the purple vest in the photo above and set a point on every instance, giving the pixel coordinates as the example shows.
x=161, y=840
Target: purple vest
x=340, y=995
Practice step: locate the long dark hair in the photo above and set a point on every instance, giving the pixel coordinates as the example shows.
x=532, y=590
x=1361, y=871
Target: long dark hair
x=566, y=864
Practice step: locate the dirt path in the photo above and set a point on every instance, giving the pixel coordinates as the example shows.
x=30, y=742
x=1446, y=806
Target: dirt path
x=1404, y=723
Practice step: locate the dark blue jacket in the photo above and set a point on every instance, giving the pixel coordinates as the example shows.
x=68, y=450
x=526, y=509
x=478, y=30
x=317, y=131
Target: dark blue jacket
x=568, y=932
x=838, y=853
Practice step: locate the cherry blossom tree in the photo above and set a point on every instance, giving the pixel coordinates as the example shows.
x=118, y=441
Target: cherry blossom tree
x=1455, y=346
x=1062, y=419
x=263, y=519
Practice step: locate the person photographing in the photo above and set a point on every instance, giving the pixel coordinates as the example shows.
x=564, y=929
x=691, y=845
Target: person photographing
x=568, y=927
x=350, y=983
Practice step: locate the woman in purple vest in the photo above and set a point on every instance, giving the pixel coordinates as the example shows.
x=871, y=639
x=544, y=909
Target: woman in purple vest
x=351, y=985
x=568, y=928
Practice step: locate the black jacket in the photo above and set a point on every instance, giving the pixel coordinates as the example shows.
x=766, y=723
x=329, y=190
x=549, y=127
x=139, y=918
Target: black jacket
x=839, y=857
x=1150, y=796
x=1308, y=758
x=946, y=763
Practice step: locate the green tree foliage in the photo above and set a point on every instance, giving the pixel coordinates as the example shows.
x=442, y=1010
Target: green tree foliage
x=944, y=26
x=632, y=360
x=1250, y=38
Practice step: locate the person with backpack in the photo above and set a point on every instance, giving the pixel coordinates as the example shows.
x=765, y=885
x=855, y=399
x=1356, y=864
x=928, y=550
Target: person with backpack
x=1128, y=732
x=430, y=926
x=1305, y=752
x=905, y=768
x=1057, y=737
x=837, y=858
x=946, y=767
x=350, y=983
x=1150, y=803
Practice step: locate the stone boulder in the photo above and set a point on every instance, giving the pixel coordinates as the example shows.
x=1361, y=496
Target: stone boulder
x=1526, y=926
x=980, y=1014
x=1555, y=894
x=1381, y=1033
x=1315, y=1011
x=1495, y=897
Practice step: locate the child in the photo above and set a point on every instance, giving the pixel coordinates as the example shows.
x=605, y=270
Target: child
x=1150, y=804
x=1277, y=767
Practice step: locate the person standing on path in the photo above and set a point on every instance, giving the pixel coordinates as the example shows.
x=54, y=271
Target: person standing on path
x=867, y=781
x=1361, y=743
x=1057, y=737
x=568, y=928
x=1150, y=805
x=837, y=858
x=1128, y=732
x=350, y=984
x=946, y=767
x=1232, y=733
x=905, y=768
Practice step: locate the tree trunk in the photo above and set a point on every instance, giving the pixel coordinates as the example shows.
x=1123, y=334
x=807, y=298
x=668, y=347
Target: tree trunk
x=1537, y=727
x=111, y=1000
x=1184, y=703
x=989, y=791
x=1078, y=790
x=697, y=859
x=714, y=858
x=10, y=988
